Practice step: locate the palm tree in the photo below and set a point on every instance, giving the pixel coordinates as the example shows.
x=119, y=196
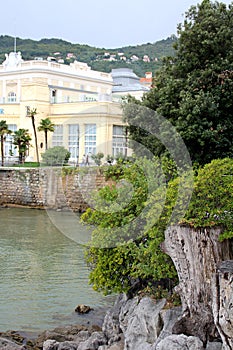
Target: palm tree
x=46, y=125
x=3, y=131
x=31, y=114
x=21, y=139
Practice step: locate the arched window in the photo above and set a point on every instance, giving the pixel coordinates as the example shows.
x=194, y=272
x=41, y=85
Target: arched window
x=11, y=97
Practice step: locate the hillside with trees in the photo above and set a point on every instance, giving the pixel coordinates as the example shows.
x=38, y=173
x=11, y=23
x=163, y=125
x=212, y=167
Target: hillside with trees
x=141, y=58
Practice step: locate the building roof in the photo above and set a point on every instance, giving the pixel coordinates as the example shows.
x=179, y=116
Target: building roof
x=125, y=80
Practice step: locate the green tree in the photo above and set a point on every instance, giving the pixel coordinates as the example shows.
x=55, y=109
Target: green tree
x=46, y=125
x=3, y=131
x=194, y=88
x=57, y=155
x=116, y=267
x=21, y=139
x=31, y=114
x=124, y=248
x=97, y=158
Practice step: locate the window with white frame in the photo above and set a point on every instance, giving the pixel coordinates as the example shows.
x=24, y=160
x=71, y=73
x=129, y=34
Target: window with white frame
x=11, y=98
x=9, y=148
x=90, y=138
x=119, y=141
x=74, y=141
x=57, y=137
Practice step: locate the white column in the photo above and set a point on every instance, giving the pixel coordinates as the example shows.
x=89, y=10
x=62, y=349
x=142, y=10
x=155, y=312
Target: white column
x=4, y=90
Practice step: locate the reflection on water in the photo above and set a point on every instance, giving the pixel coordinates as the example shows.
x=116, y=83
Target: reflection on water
x=43, y=275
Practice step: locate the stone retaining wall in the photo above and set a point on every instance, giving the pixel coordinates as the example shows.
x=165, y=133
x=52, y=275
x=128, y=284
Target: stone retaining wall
x=48, y=188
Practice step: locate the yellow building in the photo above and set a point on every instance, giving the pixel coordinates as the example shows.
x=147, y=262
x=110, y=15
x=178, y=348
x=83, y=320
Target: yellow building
x=79, y=101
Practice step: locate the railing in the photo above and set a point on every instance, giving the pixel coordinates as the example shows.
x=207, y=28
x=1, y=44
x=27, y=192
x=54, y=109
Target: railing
x=76, y=69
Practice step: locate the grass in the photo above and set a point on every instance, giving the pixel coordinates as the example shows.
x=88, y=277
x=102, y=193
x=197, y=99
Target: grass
x=28, y=165
x=38, y=165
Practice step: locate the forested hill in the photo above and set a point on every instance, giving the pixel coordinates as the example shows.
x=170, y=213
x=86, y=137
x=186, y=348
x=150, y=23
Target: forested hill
x=141, y=58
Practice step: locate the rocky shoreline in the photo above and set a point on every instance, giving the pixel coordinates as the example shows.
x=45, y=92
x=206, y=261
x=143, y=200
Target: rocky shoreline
x=131, y=324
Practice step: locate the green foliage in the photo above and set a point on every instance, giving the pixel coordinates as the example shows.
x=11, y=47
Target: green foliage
x=57, y=155
x=21, y=140
x=212, y=200
x=46, y=125
x=193, y=90
x=68, y=170
x=28, y=165
x=117, y=257
x=124, y=248
x=97, y=158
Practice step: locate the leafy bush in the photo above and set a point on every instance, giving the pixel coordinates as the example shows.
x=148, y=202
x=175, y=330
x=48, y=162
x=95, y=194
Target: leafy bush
x=97, y=158
x=123, y=250
x=212, y=200
x=116, y=268
x=57, y=155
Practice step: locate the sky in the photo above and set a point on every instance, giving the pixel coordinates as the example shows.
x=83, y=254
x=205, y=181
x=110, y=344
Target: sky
x=103, y=23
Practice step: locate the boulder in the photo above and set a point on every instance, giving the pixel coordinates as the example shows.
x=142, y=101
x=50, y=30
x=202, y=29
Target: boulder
x=83, y=309
x=214, y=346
x=9, y=345
x=141, y=322
x=111, y=325
x=50, y=344
x=67, y=345
x=180, y=342
x=169, y=318
x=61, y=334
x=94, y=342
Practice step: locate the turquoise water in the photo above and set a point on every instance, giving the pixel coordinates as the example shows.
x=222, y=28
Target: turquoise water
x=43, y=276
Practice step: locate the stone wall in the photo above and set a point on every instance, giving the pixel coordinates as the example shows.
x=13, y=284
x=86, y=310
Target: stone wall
x=49, y=188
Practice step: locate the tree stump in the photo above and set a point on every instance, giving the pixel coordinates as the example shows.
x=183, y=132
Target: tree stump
x=223, y=303
x=196, y=254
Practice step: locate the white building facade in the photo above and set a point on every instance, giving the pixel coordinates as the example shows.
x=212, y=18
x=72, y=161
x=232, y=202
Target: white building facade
x=78, y=100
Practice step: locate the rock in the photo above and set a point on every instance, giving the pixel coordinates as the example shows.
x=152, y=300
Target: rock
x=9, y=345
x=131, y=324
x=67, y=345
x=214, y=346
x=94, y=342
x=14, y=336
x=169, y=318
x=111, y=324
x=50, y=344
x=83, y=309
x=196, y=253
x=61, y=334
x=81, y=336
x=117, y=346
x=223, y=303
x=141, y=322
x=200, y=325
x=180, y=342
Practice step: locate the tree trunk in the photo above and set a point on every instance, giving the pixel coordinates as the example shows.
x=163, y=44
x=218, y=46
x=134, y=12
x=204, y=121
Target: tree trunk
x=46, y=139
x=196, y=254
x=223, y=303
x=2, y=149
x=36, y=143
